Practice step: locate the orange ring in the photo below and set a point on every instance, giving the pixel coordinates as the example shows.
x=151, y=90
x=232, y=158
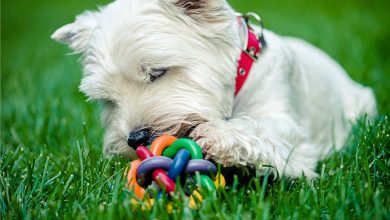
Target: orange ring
x=161, y=143
x=132, y=180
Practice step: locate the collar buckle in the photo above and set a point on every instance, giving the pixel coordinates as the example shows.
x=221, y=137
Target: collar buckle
x=251, y=52
x=246, y=20
x=252, y=45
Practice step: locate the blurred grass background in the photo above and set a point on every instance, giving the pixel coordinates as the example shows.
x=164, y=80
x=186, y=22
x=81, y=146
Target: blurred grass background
x=43, y=115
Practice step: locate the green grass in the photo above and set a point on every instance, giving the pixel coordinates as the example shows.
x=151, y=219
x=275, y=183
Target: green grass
x=50, y=157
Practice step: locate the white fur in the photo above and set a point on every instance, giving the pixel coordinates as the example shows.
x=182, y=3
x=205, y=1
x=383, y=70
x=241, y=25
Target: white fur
x=295, y=107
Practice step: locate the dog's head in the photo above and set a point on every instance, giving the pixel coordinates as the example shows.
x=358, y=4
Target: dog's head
x=161, y=65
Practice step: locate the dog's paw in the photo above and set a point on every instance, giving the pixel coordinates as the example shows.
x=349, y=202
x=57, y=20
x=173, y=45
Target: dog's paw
x=214, y=143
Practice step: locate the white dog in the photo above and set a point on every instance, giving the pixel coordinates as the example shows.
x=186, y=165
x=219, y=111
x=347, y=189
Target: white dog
x=169, y=66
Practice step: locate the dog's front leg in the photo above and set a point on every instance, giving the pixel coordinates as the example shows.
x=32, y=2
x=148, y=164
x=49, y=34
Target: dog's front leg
x=275, y=140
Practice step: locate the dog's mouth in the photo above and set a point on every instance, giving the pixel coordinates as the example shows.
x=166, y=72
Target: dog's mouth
x=182, y=129
x=184, y=132
x=121, y=147
x=145, y=135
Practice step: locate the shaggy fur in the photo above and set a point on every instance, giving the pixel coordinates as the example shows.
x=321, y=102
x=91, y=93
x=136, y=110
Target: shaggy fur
x=295, y=107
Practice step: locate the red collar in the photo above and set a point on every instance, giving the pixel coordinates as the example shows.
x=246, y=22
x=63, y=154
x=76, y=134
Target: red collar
x=253, y=46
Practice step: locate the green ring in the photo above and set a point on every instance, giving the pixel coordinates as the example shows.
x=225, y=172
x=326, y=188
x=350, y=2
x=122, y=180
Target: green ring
x=184, y=143
x=207, y=183
x=204, y=181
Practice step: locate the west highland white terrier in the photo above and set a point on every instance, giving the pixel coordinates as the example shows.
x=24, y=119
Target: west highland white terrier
x=173, y=66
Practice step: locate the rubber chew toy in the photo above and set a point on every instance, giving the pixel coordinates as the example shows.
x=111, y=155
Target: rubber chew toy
x=167, y=159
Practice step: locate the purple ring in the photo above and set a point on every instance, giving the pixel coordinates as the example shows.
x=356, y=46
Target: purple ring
x=200, y=165
x=150, y=164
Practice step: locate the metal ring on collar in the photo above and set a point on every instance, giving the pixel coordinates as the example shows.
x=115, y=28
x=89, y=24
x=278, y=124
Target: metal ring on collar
x=257, y=19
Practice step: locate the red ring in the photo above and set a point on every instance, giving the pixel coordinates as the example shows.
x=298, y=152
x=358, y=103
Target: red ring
x=143, y=152
x=163, y=180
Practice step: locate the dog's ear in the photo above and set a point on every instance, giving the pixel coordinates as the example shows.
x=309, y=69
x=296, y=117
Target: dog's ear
x=77, y=34
x=202, y=9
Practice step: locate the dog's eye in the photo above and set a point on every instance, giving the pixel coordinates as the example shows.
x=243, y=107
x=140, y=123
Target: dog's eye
x=108, y=103
x=157, y=73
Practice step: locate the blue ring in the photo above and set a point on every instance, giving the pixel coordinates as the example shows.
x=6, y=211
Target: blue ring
x=179, y=164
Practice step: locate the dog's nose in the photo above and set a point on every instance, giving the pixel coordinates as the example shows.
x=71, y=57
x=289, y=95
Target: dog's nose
x=138, y=137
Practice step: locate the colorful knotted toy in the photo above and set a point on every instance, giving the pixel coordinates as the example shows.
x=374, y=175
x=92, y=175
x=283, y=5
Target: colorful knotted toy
x=167, y=159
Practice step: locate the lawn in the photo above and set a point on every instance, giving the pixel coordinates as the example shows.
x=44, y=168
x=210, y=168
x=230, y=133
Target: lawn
x=50, y=157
